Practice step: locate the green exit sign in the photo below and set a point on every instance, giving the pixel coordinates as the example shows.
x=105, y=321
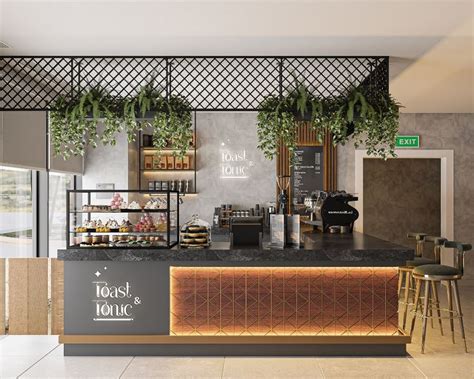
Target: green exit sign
x=408, y=142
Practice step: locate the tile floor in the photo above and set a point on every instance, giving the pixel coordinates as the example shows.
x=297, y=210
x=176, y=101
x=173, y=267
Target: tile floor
x=42, y=357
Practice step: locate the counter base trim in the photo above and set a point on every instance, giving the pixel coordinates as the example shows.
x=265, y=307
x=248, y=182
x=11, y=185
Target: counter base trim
x=240, y=349
x=76, y=339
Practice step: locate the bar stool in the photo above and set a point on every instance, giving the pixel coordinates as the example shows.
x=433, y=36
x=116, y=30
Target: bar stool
x=427, y=274
x=404, y=272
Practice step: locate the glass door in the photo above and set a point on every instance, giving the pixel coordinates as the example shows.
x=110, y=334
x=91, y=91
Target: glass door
x=16, y=213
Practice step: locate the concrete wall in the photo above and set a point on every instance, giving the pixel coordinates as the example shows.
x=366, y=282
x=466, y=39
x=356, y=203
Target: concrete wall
x=107, y=164
x=437, y=131
x=216, y=133
x=232, y=132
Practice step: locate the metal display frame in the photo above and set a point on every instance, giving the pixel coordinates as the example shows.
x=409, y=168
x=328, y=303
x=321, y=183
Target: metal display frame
x=72, y=213
x=209, y=83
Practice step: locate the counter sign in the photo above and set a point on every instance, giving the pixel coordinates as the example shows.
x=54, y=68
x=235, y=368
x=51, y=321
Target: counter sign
x=407, y=142
x=113, y=301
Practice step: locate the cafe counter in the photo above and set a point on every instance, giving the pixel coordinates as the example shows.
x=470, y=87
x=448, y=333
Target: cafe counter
x=336, y=295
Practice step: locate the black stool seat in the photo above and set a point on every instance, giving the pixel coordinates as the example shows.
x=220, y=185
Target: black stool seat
x=436, y=270
x=418, y=261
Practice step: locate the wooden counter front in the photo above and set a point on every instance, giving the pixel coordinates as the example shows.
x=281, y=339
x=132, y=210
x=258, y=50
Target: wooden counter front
x=269, y=301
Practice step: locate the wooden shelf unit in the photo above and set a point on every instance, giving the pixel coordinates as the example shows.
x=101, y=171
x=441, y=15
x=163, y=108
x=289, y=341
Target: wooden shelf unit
x=147, y=175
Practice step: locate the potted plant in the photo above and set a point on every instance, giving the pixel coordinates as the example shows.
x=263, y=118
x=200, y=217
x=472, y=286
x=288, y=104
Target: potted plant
x=279, y=118
x=74, y=122
x=373, y=123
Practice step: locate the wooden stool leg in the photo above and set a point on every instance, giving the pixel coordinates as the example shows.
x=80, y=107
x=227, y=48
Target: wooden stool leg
x=458, y=309
x=425, y=315
x=434, y=288
x=400, y=280
x=450, y=307
x=430, y=310
x=407, y=293
x=415, y=305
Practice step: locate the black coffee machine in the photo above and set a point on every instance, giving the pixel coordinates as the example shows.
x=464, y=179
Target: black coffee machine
x=332, y=209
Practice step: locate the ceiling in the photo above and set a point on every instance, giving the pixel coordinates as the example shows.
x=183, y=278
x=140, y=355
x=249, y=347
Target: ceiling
x=430, y=42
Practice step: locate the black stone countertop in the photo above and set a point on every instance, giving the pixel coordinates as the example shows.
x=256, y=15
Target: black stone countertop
x=320, y=250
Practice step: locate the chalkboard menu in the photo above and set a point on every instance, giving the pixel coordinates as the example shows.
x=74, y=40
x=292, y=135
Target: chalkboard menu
x=307, y=173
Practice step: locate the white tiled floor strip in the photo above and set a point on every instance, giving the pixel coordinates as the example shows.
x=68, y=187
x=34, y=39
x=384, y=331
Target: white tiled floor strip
x=42, y=357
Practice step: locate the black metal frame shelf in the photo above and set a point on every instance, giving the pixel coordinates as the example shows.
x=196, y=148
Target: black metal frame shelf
x=192, y=151
x=126, y=210
x=119, y=233
x=72, y=212
x=167, y=170
x=210, y=83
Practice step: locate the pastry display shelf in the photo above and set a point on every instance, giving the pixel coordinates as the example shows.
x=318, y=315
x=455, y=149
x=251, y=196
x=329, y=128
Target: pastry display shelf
x=121, y=233
x=128, y=211
x=168, y=170
x=160, y=245
x=86, y=205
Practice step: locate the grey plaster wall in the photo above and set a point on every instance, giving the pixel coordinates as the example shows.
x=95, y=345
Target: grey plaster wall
x=437, y=131
x=233, y=132
x=107, y=164
x=216, y=133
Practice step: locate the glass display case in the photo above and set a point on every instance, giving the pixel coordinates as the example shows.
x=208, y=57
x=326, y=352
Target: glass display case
x=114, y=219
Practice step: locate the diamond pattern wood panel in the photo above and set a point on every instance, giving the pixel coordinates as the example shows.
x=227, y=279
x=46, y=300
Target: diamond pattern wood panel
x=284, y=301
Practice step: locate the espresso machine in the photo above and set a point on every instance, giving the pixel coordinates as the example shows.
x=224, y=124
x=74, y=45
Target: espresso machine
x=332, y=209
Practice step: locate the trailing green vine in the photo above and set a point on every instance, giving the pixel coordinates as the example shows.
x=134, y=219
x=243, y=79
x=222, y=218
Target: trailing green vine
x=278, y=118
x=74, y=124
x=372, y=124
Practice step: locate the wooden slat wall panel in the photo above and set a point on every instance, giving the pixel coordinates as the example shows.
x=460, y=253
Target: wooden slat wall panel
x=38, y=296
x=2, y=296
x=28, y=296
x=57, y=296
x=18, y=295
x=306, y=136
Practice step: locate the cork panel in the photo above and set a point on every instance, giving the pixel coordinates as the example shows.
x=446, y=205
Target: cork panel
x=28, y=295
x=38, y=296
x=18, y=295
x=2, y=296
x=57, y=296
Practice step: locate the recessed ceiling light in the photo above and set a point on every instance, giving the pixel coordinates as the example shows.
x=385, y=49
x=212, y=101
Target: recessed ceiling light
x=3, y=45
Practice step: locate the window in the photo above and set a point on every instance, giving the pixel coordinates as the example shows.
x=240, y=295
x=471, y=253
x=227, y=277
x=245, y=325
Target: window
x=58, y=184
x=16, y=213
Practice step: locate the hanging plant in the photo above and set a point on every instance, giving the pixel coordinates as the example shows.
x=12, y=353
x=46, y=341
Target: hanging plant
x=382, y=135
x=172, y=125
x=373, y=124
x=275, y=125
x=278, y=119
x=147, y=98
x=171, y=122
x=74, y=123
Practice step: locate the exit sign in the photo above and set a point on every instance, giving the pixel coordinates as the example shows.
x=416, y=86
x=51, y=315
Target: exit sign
x=407, y=142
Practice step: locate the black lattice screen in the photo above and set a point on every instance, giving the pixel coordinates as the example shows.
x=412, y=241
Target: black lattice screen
x=209, y=83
